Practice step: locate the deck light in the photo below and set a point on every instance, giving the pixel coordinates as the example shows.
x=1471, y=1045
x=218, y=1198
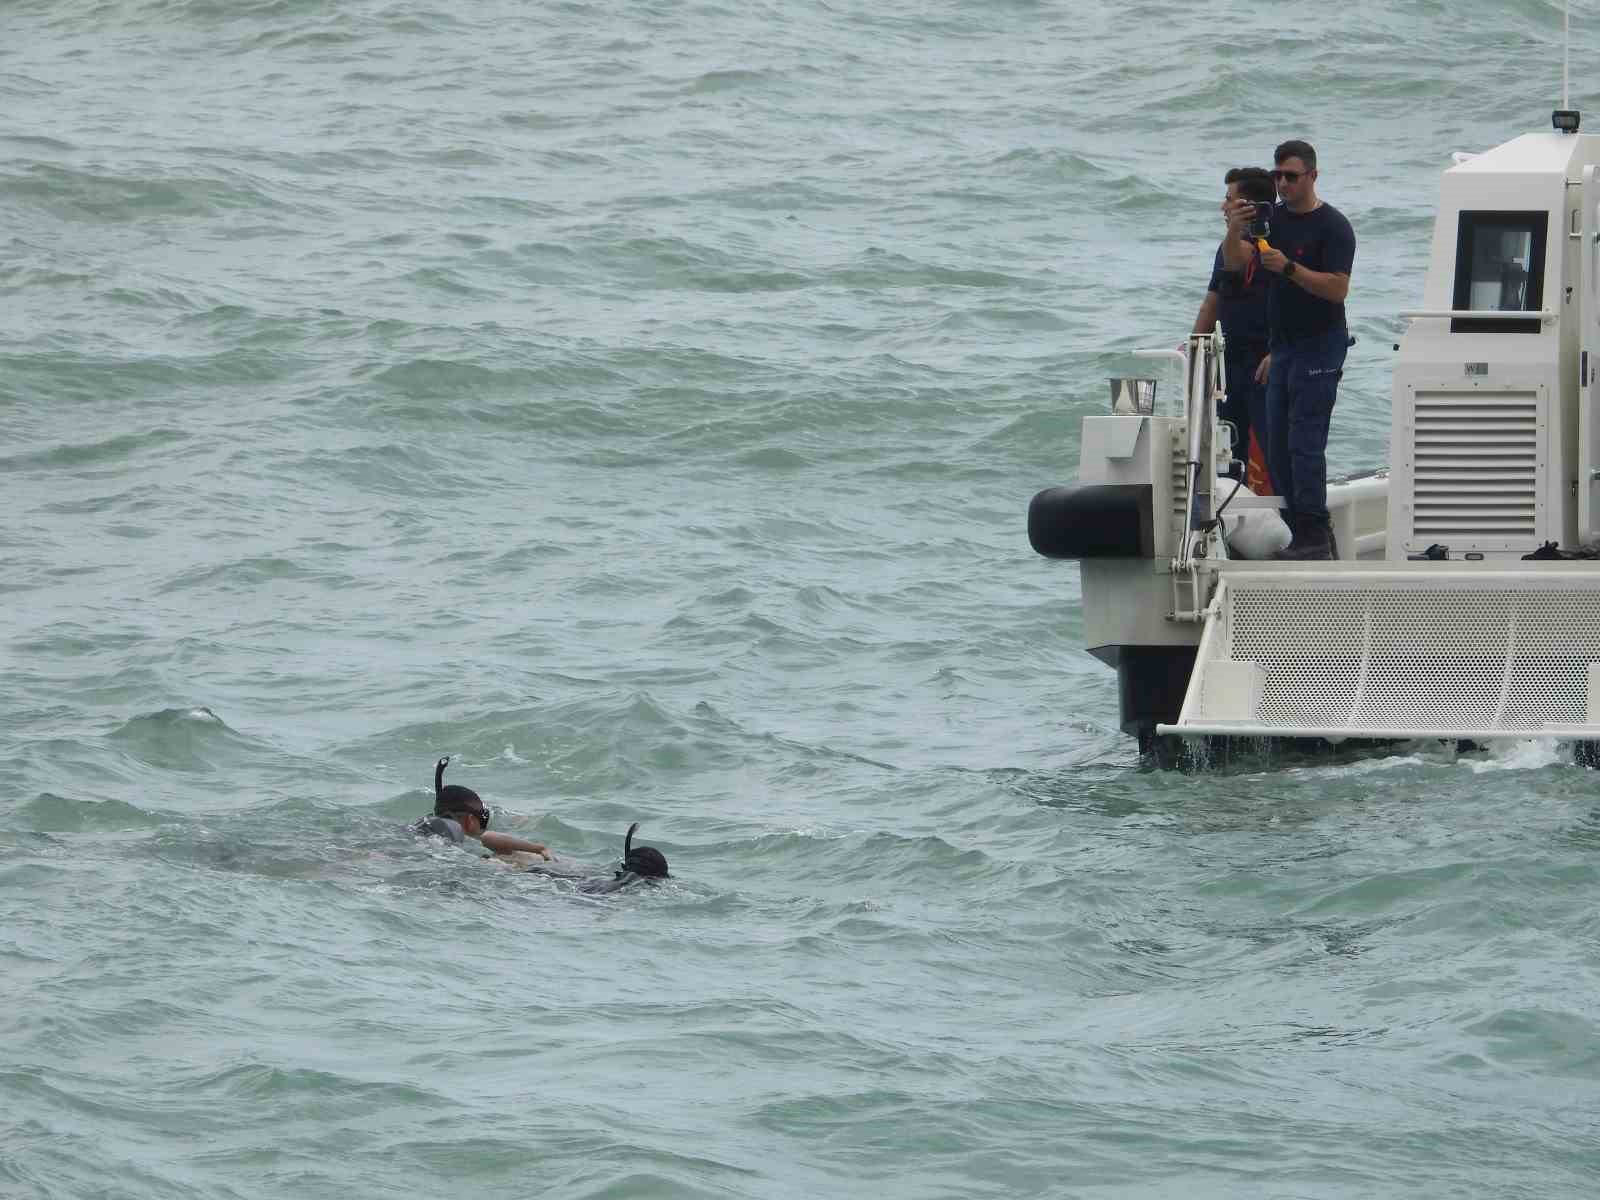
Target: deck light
x=1133, y=397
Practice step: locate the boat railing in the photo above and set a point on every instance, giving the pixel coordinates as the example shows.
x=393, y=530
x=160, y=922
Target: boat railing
x=1479, y=314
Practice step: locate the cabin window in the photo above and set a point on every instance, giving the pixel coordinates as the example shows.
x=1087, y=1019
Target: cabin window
x=1499, y=268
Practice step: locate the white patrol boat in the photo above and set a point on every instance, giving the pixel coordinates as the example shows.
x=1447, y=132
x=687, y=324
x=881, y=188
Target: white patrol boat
x=1465, y=600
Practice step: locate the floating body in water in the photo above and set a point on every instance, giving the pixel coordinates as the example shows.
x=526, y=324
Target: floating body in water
x=640, y=864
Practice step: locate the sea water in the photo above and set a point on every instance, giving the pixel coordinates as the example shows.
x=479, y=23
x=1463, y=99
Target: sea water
x=640, y=403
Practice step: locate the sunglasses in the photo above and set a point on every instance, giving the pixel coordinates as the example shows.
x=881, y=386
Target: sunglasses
x=1289, y=176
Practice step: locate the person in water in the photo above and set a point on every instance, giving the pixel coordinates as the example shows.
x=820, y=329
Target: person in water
x=459, y=813
x=640, y=864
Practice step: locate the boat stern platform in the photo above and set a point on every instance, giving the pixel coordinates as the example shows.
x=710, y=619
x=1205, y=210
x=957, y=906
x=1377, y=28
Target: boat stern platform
x=1407, y=650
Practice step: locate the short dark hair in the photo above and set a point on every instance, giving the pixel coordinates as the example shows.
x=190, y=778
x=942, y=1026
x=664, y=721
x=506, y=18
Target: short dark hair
x=647, y=861
x=451, y=798
x=1295, y=148
x=1255, y=183
x=642, y=860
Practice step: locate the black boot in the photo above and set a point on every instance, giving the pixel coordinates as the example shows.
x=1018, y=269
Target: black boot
x=1313, y=541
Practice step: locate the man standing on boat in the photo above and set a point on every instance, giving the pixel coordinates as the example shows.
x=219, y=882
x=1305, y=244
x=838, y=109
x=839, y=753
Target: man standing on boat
x=1309, y=254
x=1239, y=300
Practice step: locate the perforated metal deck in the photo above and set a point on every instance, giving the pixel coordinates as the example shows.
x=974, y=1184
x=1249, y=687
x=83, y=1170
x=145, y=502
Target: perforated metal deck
x=1438, y=651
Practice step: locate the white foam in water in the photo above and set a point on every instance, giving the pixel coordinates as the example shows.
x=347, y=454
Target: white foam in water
x=510, y=755
x=1527, y=754
x=1362, y=766
x=1524, y=754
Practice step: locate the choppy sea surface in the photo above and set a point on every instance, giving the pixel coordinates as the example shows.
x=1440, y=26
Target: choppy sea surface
x=640, y=404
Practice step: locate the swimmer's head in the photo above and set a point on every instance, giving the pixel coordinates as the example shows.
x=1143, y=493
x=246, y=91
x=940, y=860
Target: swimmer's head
x=456, y=801
x=643, y=860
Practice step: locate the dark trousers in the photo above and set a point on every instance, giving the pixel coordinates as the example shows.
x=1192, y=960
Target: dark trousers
x=1301, y=388
x=1246, y=403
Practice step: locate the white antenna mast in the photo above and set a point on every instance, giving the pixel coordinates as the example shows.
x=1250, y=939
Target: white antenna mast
x=1566, y=49
x=1564, y=119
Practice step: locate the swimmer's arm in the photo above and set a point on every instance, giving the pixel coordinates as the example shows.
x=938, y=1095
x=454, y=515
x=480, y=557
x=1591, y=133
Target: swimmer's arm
x=504, y=843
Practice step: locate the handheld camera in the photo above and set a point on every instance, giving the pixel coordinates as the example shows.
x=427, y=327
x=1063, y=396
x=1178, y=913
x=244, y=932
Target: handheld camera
x=1261, y=193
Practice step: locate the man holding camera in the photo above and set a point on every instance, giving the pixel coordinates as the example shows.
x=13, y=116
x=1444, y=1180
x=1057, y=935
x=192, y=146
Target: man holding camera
x=1239, y=300
x=1309, y=253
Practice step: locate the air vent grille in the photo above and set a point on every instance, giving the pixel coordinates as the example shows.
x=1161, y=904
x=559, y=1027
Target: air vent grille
x=1475, y=474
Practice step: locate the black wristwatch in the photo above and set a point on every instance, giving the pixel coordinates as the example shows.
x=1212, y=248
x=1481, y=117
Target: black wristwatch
x=1288, y=269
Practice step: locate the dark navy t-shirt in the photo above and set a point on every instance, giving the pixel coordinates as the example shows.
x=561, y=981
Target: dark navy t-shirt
x=1241, y=299
x=1320, y=240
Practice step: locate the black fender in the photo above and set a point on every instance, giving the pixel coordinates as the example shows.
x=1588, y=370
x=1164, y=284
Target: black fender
x=1093, y=520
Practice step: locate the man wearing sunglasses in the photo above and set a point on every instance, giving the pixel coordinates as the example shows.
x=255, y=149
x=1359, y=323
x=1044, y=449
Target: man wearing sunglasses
x=1309, y=255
